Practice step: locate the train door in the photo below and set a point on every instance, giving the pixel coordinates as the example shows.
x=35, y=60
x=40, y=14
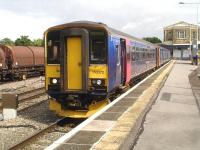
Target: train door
x=123, y=60
x=74, y=65
x=118, y=64
x=157, y=57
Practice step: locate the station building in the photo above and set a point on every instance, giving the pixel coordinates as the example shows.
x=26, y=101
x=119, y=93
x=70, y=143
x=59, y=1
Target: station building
x=181, y=38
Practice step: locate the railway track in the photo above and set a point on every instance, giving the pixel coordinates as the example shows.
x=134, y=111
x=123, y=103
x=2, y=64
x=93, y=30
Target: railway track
x=46, y=136
x=31, y=98
x=7, y=81
x=24, y=96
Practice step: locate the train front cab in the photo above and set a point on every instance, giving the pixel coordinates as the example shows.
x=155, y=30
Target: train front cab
x=76, y=70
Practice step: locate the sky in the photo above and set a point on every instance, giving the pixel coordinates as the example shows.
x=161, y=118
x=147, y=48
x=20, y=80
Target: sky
x=140, y=18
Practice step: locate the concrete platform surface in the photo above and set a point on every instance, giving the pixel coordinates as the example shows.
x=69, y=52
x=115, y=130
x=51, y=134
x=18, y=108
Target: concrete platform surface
x=174, y=121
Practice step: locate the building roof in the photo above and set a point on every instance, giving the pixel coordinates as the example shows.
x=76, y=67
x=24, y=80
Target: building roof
x=180, y=24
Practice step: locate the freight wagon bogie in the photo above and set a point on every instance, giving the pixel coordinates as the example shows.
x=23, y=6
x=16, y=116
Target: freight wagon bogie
x=87, y=62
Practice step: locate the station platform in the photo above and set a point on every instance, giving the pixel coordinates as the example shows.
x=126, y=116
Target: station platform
x=174, y=120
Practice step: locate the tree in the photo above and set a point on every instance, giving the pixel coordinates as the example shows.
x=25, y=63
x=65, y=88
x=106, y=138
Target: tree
x=152, y=39
x=23, y=41
x=6, y=41
x=38, y=42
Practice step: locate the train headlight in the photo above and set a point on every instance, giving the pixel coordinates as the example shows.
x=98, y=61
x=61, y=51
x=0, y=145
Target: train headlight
x=99, y=82
x=54, y=81
x=1, y=64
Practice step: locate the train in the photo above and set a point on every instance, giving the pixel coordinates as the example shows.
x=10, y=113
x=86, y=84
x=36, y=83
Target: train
x=20, y=62
x=86, y=62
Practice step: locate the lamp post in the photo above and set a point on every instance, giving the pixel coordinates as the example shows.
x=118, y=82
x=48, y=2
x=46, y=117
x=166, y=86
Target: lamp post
x=197, y=4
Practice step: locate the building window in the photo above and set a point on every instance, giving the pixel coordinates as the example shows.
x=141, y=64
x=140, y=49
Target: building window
x=168, y=36
x=194, y=35
x=181, y=34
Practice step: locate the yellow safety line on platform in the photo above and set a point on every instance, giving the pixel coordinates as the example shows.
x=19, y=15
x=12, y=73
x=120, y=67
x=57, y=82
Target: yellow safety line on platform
x=114, y=138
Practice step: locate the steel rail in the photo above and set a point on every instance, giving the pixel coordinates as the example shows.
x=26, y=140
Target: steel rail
x=35, y=135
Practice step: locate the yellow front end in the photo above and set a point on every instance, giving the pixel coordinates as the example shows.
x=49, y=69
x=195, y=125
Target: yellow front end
x=93, y=108
x=52, y=72
x=98, y=77
x=96, y=73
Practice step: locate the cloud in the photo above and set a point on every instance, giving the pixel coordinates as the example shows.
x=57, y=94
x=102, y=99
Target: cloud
x=139, y=18
x=14, y=25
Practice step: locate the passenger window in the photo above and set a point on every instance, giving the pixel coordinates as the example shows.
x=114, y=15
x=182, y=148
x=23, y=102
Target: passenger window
x=133, y=56
x=144, y=56
x=137, y=56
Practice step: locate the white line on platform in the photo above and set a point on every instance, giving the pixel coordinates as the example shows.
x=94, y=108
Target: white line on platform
x=70, y=134
x=131, y=97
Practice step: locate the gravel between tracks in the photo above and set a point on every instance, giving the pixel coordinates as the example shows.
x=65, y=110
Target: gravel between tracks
x=32, y=102
x=21, y=86
x=28, y=122
x=47, y=138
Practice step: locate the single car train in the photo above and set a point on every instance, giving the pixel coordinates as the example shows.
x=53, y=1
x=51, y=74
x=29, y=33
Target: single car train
x=86, y=62
x=17, y=62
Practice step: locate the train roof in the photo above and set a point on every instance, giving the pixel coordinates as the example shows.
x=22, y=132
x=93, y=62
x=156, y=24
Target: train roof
x=79, y=24
x=90, y=24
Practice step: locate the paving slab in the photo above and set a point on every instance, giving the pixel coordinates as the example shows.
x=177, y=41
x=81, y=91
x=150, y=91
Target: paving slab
x=99, y=125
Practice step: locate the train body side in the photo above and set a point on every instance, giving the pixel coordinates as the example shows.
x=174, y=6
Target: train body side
x=139, y=58
x=142, y=58
x=164, y=55
x=22, y=61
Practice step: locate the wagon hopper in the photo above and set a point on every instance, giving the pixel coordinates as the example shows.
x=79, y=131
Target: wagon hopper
x=21, y=61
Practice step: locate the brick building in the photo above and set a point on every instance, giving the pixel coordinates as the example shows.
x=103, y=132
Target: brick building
x=181, y=38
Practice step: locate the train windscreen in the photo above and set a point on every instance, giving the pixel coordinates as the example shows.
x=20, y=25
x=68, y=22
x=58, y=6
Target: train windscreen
x=98, y=53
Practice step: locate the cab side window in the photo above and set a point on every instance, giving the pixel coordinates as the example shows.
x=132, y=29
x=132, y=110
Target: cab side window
x=53, y=47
